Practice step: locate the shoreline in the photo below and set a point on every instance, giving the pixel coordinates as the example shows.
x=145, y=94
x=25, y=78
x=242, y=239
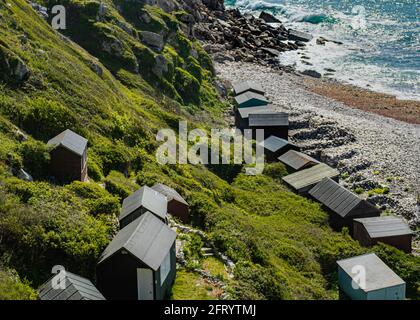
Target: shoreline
x=373, y=152
x=365, y=99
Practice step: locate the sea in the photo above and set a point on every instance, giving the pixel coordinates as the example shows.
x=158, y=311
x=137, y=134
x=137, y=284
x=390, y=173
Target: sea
x=380, y=47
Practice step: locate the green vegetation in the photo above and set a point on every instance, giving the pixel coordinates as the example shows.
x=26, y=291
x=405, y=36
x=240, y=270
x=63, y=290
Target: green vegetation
x=108, y=89
x=380, y=190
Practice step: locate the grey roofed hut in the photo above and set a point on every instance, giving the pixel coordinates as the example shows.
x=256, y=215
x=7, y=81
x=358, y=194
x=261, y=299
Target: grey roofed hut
x=68, y=156
x=275, y=147
x=388, y=229
x=74, y=288
x=296, y=160
x=140, y=262
x=242, y=114
x=143, y=200
x=274, y=124
x=380, y=282
x=250, y=99
x=303, y=181
x=177, y=206
x=343, y=204
x=244, y=86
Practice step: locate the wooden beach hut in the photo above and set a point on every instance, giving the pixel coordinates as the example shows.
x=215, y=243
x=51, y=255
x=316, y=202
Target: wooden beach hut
x=367, y=277
x=273, y=124
x=143, y=200
x=304, y=180
x=247, y=86
x=343, y=205
x=177, y=206
x=250, y=99
x=69, y=286
x=242, y=114
x=388, y=229
x=68, y=157
x=275, y=147
x=295, y=160
x=140, y=262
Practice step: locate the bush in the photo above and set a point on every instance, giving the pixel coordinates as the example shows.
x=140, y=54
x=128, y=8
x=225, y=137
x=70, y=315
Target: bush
x=36, y=158
x=44, y=118
x=117, y=184
x=187, y=86
x=13, y=288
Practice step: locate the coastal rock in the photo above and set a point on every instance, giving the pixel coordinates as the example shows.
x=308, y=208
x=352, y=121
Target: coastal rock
x=312, y=73
x=299, y=36
x=161, y=65
x=269, y=18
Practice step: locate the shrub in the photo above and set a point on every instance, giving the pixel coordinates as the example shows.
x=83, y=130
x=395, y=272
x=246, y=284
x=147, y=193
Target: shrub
x=13, y=288
x=117, y=184
x=36, y=158
x=44, y=118
x=187, y=86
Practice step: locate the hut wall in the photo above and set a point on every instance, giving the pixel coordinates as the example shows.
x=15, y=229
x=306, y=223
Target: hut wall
x=179, y=210
x=67, y=166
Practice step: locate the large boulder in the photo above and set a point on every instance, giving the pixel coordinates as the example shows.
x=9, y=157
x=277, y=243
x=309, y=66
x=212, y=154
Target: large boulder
x=299, y=36
x=152, y=40
x=269, y=18
x=216, y=5
x=12, y=68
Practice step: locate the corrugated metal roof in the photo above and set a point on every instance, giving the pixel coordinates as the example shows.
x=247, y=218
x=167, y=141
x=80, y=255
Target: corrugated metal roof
x=245, y=112
x=268, y=119
x=335, y=197
x=147, y=238
x=387, y=226
x=378, y=274
x=297, y=160
x=76, y=288
x=244, y=97
x=70, y=140
x=241, y=87
x=147, y=198
x=170, y=193
x=274, y=143
x=307, y=177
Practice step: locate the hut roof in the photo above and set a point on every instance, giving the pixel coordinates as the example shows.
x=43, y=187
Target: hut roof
x=307, y=177
x=274, y=143
x=297, y=160
x=388, y=226
x=336, y=198
x=378, y=274
x=241, y=87
x=268, y=119
x=75, y=288
x=245, y=112
x=247, y=96
x=148, y=198
x=147, y=238
x=69, y=140
x=170, y=193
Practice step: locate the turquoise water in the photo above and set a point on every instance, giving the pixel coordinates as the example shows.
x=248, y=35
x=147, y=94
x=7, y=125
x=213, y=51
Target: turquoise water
x=381, y=39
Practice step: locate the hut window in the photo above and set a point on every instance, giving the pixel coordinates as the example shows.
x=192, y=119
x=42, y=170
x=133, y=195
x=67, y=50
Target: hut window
x=165, y=268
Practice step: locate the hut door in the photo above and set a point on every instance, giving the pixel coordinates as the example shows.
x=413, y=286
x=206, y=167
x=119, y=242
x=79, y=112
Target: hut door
x=145, y=284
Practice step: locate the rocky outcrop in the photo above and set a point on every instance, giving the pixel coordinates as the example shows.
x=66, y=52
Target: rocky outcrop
x=269, y=18
x=153, y=40
x=12, y=68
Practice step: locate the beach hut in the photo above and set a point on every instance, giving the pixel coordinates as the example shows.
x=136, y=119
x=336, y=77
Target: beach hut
x=242, y=114
x=389, y=229
x=250, y=99
x=275, y=147
x=295, y=160
x=68, y=157
x=367, y=277
x=273, y=124
x=143, y=200
x=247, y=86
x=343, y=204
x=69, y=286
x=140, y=262
x=304, y=180
x=177, y=206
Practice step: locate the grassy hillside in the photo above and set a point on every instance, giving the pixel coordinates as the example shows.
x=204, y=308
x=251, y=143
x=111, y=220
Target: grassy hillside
x=105, y=85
